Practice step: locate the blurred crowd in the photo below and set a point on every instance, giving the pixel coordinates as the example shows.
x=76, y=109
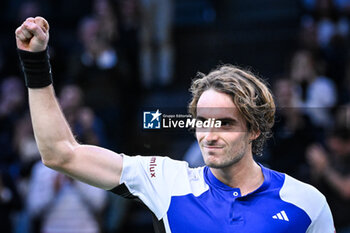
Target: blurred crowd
x=110, y=58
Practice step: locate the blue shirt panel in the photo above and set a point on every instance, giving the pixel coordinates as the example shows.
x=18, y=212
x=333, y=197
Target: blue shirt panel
x=222, y=209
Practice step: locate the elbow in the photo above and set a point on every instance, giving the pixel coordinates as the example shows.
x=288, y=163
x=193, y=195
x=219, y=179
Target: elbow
x=57, y=156
x=51, y=163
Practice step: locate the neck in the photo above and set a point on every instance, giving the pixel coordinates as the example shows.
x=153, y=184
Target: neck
x=245, y=175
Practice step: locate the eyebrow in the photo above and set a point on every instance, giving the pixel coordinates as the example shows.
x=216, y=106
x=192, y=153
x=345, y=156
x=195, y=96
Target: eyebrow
x=225, y=119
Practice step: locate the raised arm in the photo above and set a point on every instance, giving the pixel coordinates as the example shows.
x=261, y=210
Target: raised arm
x=58, y=148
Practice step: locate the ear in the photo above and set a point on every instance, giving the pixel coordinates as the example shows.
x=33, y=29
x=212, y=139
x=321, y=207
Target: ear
x=254, y=135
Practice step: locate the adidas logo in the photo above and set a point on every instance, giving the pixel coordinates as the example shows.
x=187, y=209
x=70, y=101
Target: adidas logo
x=281, y=216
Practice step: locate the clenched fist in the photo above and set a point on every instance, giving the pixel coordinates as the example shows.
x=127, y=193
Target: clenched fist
x=33, y=34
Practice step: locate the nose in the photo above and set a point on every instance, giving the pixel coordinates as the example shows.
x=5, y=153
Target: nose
x=211, y=136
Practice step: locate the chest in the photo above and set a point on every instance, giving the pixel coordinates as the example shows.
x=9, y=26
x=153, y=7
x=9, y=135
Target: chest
x=217, y=212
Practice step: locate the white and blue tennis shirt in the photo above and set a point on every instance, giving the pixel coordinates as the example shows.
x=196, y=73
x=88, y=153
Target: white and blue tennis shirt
x=192, y=200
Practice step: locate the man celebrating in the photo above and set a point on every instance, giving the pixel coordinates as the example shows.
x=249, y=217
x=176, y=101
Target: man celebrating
x=232, y=193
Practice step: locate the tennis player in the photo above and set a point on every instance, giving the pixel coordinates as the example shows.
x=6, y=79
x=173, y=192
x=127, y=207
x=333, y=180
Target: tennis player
x=232, y=193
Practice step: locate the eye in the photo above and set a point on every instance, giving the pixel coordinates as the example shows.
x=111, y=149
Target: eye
x=199, y=124
x=226, y=123
x=199, y=120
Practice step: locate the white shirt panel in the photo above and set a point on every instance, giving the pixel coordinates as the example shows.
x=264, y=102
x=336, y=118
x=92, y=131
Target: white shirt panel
x=156, y=179
x=311, y=201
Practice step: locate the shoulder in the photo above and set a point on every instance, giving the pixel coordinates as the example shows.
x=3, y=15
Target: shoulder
x=303, y=195
x=151, y=159
x=156, y=168
x=156, y=179
x=153, y=162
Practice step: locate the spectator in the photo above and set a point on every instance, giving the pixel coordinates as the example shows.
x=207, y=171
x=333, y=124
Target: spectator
x=293, y=132
x=28, y=154
x=324, y=14
x=105, y=13
x=316, y=93
x=9, y=202
x=156, y=57
x=128, y=13
x=102, y=72
x=87, y=127
x=60, y=204
x=330, y=170
x=328, y=20
x=12, y=106
x=24, y=143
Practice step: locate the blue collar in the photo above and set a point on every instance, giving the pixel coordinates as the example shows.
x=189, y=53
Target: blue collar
x=213, y=181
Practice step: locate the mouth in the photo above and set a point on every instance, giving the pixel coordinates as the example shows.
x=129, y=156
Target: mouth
x=212, y=151
x=213, y=147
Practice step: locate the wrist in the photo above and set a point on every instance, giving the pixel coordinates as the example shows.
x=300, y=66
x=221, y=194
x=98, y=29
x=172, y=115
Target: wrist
x=36, y=68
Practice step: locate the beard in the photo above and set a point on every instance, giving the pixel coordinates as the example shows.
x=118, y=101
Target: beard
x=231, y=154
x=225, y=162
x=228, y=157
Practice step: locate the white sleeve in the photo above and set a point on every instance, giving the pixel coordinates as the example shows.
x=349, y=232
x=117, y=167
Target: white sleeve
x=154, y=180
x=323, y=223
x=309, y=199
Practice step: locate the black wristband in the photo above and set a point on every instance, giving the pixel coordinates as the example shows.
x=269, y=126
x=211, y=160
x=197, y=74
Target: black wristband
x=36, y=68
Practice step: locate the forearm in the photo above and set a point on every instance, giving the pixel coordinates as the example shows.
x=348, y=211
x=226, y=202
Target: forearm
x=53, y=135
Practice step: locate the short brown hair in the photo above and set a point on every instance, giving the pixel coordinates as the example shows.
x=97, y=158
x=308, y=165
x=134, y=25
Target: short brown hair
x=248, y=92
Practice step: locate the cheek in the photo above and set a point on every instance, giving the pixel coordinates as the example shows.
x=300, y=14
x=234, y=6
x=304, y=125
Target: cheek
x=199, y=136
x=232, y=136
x=236, y=138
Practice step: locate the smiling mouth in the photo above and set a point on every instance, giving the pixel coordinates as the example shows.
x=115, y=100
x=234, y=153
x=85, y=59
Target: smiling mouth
x=213, y=147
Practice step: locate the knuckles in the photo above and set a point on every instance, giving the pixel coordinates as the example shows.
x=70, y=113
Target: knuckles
x=38, y=27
